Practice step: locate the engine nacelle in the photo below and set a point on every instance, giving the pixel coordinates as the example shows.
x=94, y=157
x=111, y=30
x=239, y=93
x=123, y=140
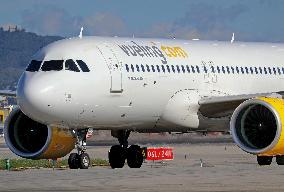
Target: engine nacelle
x=30, y=139
x=257, y=126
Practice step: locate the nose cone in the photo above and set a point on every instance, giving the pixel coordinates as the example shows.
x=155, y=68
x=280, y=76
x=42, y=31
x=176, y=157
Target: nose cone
x=34, y=94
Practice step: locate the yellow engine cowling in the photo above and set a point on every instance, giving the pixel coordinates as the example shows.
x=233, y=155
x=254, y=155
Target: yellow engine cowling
x=30, y=139
x=62, y=142
x=257, y=126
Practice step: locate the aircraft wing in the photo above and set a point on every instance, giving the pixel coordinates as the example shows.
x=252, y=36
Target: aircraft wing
x=215, y=107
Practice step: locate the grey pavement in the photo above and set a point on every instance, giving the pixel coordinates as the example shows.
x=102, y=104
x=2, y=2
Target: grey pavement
x=225, y=168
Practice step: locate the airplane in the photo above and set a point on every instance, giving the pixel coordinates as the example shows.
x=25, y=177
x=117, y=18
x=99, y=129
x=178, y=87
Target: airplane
x=147, y=85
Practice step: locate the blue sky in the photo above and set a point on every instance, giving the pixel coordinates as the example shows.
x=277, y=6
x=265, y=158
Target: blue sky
x=251, y=20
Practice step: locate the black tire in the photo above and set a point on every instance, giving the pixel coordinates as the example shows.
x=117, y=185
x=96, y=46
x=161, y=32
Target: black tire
x=264, y=160
x=280, y=159
x=134, y=156
x=73, y=161
x=116, y=156
x=84, y=161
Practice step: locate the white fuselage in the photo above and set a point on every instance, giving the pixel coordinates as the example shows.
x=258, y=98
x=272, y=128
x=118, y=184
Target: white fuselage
x=127, y=87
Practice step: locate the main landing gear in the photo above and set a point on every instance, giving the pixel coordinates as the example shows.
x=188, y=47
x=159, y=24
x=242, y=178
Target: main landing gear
x=119, y=153
x=266, y=160
x=81, y=159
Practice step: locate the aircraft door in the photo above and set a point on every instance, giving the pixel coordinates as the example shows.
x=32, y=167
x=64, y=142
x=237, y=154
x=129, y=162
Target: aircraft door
x=114, y=66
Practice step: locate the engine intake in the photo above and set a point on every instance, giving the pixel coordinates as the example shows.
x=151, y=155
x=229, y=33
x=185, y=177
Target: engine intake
x=256, y=126
x=30, y=139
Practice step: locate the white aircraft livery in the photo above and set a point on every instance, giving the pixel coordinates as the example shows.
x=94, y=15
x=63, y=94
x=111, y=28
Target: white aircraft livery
x=147, y=85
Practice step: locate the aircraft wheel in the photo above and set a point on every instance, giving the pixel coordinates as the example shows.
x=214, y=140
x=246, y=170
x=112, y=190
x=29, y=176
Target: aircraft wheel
x=264, y=160
x=84, y=161
x=134, y=156
x=73, y=161
x=280, y=159
x=116, y=156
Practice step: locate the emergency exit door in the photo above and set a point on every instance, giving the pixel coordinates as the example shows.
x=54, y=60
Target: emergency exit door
x=114, y=66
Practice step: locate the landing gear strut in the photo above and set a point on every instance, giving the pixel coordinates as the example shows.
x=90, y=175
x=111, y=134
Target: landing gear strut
x=119, y=153
x=80, y=159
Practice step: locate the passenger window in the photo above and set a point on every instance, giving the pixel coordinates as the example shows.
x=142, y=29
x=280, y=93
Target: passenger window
x=83, y=66
x=197, y=69
x=53, y=65
x=127, y=68
x=132, y=68
x=228, y=69
x=274, y=70
x=205, y=69
x=192, y=69
x=142, y=67
x=265, y=71
x=237, y=69
x=233, y=70
x=279, y=71
x=137, y=68
x=183, y=69
x=178, y=69
x=34, y=66
x=260, y=70
x=212, y=69
x=251, y=70
x=163, y=68
x=158, y=68
x=168, y=68
x=153, y=68
x=256, y=71
x=71, y=66
x=218, y=69
x=269, y=70
x=148, y=68
x=242, y=70
x=187, y=68
x=247, y=71
x=223, y=69
x=173, y=69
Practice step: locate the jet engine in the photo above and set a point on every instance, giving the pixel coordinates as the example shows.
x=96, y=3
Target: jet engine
x=257, y=126
x=30, y=139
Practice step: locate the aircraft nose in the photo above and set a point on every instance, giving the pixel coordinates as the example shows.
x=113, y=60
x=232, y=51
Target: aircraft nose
x=33, y=94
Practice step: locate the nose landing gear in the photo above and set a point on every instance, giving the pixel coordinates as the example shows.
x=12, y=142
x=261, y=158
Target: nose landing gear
x=81, y=159
x=119, y=153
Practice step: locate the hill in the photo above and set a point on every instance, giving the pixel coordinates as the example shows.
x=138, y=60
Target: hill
x=16, y=50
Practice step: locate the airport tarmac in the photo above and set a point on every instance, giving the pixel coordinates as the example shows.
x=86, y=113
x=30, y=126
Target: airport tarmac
x=225, y=168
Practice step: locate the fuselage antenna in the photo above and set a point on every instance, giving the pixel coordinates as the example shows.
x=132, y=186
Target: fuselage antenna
x=81, y=33
x=233, y=38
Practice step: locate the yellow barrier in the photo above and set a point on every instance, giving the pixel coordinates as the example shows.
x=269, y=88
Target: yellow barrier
x=3, y=114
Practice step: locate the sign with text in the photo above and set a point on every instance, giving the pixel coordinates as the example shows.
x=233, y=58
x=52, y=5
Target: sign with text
x=159, y=153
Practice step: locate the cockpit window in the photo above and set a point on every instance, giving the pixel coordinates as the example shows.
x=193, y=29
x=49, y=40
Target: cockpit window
x=83, y=66
x=34, y=66
x=71, y=66
x=53, y=65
